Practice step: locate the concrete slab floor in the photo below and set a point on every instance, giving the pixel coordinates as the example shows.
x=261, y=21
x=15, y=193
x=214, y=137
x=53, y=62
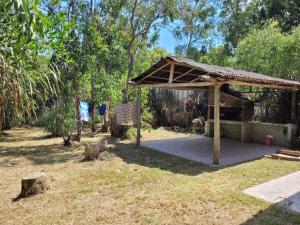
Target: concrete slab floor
x=284, y=191
x=200, y=149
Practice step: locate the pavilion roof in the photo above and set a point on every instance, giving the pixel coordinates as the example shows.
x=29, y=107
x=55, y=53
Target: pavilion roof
x=181, y=73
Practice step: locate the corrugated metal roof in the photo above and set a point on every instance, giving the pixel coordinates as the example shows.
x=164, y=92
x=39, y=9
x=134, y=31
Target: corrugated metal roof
x=222, y=72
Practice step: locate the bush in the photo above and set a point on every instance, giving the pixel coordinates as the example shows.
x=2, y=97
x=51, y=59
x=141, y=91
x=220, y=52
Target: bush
x=59, y=121
x=198, y=125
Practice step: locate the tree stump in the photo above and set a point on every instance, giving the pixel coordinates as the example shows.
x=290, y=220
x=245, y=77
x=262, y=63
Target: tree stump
x=33, y=184
x=117, y=130
x=93, y=149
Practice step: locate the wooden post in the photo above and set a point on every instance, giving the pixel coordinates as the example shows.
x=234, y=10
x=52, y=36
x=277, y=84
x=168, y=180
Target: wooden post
x=243, y=127
x=217, y=136
x=138, y=130
x=171, y=73
x=208, y=121
x=294, y=107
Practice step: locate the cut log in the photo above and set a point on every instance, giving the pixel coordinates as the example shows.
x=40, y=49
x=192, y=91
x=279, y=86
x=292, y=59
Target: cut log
x=33, y=184
x=285, y=157
x=289, y=152
x=117, y=130
x=93, y=149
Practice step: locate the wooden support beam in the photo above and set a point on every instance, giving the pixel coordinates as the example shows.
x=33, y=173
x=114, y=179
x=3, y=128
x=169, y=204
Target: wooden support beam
x=181, y=73
x=178, y=85
x=217, y=136
x=160, y=78
x=155, y=71
x=294, y=107
x=243, y=127
x=205, y=77
x=272, y=86
x=184, y=74
x=208, y=122
x=171, y=73
x=138, y=129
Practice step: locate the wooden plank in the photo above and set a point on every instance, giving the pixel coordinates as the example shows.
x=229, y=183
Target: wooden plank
x=208, y=122
x=272, y=86
x=205, y=77
x=178, y=85
x=180, y=73
x=155, y=71
x=138, y=130
x=160, y=78
x=184, y=74
x=289, y=152
x=285, y=157
x=171, y=72
x=294, y=107
x=217, y=136
x=243, y=128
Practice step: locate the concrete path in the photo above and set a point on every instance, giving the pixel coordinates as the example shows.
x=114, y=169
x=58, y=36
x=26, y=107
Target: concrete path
x=200, y=149
x=284, y=191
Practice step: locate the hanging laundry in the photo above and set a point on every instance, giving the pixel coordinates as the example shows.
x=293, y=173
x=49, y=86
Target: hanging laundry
x=126, y=114
x=101, y=109
x=90, y=104
x=84, y=111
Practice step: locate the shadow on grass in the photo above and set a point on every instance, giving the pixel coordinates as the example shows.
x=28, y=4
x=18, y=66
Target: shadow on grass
x=274, y=215
x=41, y=154
x=153, y=159
x=56, y=153
x=9, y=138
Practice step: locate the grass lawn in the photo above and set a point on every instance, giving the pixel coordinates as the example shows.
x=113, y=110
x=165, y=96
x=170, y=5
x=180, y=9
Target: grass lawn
x=129, y=185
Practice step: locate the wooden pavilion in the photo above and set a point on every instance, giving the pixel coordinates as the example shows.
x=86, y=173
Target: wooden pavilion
x=185, y=74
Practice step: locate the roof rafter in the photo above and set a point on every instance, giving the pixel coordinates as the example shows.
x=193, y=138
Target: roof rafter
x=184, y=74
x=155, y=71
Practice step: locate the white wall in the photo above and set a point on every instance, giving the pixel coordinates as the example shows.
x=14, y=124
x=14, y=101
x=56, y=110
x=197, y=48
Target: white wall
x=257, y=132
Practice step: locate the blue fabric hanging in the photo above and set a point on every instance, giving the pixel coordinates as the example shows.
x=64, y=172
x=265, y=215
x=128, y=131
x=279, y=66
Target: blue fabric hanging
x=90, y=108
x=84, y=111
x=101, y=109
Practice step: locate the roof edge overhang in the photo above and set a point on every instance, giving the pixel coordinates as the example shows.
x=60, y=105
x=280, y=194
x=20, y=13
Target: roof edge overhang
x=204, y=75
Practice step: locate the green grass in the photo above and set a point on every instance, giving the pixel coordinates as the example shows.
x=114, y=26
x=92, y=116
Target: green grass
x=130, y=185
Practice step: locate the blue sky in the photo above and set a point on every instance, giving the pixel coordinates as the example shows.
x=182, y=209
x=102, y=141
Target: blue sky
x=166, y=40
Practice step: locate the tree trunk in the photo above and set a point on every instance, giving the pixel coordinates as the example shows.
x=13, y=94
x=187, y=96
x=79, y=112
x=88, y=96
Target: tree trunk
x=93, y=101
x=2, y=116
x=129, y=73
x=77, y=105
x=2, y=113
x=106, y=120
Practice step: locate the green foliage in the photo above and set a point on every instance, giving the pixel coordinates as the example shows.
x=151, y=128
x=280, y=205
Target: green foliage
x=286, y=12
x=195, y=27
x=59, y=121
x=218, y=56
x=271, y=52
x=236, y=21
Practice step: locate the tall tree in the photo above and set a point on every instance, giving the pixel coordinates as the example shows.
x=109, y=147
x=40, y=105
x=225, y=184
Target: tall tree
x=141, y=17
x=194, y=27
x=235, y=23
x=286, y=12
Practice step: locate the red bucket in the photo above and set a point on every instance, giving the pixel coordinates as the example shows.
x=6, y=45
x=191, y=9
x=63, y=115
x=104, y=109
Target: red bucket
x=269, y=140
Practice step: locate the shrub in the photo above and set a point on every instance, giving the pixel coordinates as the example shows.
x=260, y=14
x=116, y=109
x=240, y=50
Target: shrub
x=198, y=125
x=59, y=121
